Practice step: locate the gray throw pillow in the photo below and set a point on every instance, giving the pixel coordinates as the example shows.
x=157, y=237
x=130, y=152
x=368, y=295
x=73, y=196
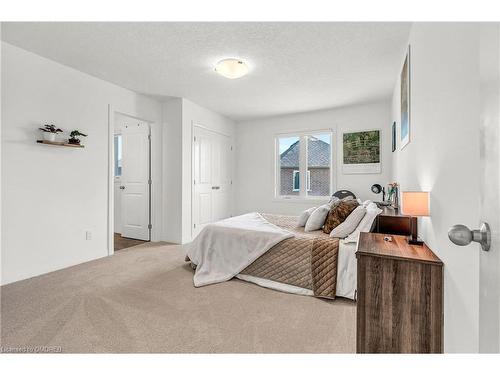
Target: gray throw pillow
x=350, y=223
x=304, y=216
x=317, y=218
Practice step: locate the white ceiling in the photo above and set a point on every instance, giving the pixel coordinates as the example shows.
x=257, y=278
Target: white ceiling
x=294, y=67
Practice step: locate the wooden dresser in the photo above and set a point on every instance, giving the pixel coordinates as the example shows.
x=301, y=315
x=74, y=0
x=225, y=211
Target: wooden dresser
x=400, y=297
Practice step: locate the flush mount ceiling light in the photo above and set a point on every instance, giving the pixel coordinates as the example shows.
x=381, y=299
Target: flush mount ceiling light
x=231, y=68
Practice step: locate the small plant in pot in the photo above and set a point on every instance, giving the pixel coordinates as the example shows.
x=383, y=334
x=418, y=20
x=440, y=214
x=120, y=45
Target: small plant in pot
x=74, y=140
x=49, y=132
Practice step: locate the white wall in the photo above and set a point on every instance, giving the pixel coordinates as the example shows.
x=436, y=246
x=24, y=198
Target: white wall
x=443, y=158
x=255, y=154
x=52, y=195
x=172, y=170
x=179, y=117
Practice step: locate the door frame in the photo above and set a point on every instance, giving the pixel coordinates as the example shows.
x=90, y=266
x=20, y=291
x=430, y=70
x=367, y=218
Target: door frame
x=195, y=124
x=153, y=188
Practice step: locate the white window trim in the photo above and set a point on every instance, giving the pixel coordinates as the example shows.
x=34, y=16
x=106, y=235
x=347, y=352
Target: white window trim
x=117, y=178
x=303, y=197
x=293, y=180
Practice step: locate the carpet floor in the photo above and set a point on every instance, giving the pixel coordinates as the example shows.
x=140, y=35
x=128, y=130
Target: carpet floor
x=142, y=299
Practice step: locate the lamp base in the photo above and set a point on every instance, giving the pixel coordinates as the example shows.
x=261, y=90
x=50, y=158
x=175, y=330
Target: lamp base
x=414, y=241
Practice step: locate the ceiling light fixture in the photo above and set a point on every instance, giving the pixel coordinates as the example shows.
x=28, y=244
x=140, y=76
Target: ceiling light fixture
x=231, y=68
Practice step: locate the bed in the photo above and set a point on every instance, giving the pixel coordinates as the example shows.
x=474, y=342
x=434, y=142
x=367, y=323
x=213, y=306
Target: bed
x=287, y=266
x=284, y=257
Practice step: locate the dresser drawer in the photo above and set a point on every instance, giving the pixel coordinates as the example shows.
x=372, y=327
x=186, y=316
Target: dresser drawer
x=399, y=297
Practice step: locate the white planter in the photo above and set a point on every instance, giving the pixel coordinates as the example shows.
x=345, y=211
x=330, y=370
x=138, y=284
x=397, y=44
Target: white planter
x=49, y=136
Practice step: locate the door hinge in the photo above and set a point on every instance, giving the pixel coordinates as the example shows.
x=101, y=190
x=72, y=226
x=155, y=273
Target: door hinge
x=194, y=225
x=194, y=139
x=231, y=148
x=231, y=182
x=149, y=136
x=150, y=182
x=194, y=182
x=150, y=226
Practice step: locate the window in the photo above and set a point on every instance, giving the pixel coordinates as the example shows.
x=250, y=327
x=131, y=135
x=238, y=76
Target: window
x=304, y=155
x=118, y=155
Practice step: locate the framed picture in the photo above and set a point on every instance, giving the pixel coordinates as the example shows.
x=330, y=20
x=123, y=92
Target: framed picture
x=394, y=136
x=405, y=101
x=361, y=152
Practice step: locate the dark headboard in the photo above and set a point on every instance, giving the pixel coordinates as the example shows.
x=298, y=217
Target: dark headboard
x=343, y=194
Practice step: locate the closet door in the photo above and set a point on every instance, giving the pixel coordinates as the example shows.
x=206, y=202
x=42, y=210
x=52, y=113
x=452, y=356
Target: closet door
x=211, y=178
x=221, y=196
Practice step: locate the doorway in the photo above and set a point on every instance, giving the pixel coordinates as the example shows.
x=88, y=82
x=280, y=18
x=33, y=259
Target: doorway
x=132, y=181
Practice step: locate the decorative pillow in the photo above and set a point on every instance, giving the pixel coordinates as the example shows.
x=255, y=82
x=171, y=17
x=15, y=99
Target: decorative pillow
x=317, y=218
x=304, y=216
x=350, y=224
x=339, y=213
x=365, y=224
x=333, y=200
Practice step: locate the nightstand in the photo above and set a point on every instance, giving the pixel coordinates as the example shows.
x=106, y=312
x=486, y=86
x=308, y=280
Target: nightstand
x=399, y=297
x=392, y=221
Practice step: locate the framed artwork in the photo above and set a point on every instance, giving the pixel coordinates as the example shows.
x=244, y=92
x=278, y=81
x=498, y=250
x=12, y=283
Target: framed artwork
x=361, y=152
x=405, y=101
x=394, y=136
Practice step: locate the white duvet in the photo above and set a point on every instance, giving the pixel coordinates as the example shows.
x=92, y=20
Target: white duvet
x=223, y=249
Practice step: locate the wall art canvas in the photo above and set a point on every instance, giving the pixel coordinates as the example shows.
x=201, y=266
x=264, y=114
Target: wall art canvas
x=361, y=152
x=405, y=101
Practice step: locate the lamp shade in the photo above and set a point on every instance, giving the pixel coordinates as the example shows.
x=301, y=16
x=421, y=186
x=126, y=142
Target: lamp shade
x=415, y=203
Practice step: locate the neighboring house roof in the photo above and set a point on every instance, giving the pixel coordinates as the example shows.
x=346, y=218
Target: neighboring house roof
x=318, y=154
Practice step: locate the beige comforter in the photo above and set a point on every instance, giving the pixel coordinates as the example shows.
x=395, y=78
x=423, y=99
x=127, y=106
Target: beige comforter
x=308, y=260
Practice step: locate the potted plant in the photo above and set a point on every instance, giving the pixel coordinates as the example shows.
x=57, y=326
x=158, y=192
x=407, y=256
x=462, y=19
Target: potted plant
x=49, y=132
x=74, y=140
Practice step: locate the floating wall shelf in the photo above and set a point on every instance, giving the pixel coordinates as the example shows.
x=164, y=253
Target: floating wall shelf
x=59, y=144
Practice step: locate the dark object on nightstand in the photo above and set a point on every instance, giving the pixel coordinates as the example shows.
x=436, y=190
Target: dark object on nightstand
x=391, y=221
x=376, y=188
x=399, y=297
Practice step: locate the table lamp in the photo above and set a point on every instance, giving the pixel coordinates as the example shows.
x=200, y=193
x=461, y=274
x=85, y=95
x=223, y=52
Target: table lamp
x=414, y=204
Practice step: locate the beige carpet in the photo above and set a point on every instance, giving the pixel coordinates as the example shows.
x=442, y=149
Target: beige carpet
x=142, y=299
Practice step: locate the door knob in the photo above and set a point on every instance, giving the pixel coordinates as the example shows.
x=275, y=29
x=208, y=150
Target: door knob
x=461, y=235
x=122, y=187
x=215, y=187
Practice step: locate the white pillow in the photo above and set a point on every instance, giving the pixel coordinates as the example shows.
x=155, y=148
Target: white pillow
x=350, y=223
x=365, y=224
x=317, y=218
x=304, y=216
x=366, y=203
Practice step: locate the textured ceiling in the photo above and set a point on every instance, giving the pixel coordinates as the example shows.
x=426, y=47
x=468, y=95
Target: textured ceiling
x=294, y=67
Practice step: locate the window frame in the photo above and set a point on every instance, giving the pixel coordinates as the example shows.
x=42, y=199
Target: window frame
x=115, y=157
x=303, y=196
x=294, y=173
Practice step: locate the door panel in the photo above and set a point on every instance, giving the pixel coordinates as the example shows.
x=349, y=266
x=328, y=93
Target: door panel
x=203, y=177
x=135, y=176
x=212, y=178
x=489, y=277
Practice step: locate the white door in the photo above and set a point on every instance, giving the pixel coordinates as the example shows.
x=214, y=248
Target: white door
x=489, y=273
x=135, y=181
x=211, y=178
